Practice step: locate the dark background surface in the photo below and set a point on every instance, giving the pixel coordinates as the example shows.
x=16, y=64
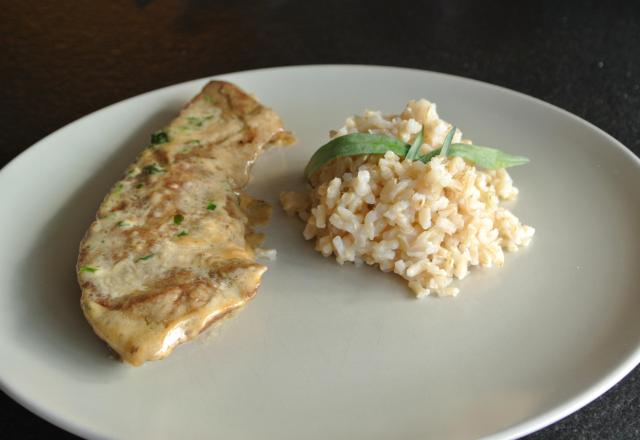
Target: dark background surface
x=64, y=59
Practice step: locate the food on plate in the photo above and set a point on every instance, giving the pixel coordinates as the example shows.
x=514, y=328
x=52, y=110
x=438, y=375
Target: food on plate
x=173, y=248
x=406, y=193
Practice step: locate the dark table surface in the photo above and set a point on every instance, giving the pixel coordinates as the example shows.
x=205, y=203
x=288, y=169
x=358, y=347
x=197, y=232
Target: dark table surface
x=64, y=59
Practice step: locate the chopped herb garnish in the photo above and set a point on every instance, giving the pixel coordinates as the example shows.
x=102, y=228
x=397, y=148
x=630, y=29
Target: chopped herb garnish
x=124, y=224
x=88, y=269
x=182, y=233
x=356, y=144
x=152, y=169
x=145, y=258
x=118, y=188
x=159, y=137
x=139, y=185
x=177, y=219
x=209, y=99
x=211, y=206
x=190, y=144
x=198, y=121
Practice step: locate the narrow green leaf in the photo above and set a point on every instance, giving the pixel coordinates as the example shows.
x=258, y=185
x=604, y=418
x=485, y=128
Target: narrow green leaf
x=447, y=142
x=182, y=233
x=356, y=144
x=414, y=150
x=485, y=157
x=353, y=145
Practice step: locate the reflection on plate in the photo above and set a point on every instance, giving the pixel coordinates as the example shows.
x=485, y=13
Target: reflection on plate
x=326, y=351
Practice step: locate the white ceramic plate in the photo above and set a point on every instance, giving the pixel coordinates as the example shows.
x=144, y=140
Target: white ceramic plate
x=326, y=351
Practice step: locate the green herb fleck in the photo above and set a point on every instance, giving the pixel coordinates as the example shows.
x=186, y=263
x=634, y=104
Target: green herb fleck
x=139, y=185
x=159, y=137
x=177, y=219
x=153, y=169
x=198, y=121
x=182, y=233
x=89, y=269
x=190, y=144
x=211, y=206
x=118, y=188
x=145, y=258
x=209, y=99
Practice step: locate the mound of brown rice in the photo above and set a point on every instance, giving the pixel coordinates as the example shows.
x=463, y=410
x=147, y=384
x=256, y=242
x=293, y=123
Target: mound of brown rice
x=428, y=223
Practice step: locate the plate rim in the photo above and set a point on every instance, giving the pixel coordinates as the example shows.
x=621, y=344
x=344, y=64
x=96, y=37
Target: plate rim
x=528, y=426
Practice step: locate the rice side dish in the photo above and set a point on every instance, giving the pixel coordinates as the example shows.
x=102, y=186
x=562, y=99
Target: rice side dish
x=429, y=223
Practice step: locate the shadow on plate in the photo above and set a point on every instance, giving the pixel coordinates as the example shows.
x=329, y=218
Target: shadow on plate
x=53, y=322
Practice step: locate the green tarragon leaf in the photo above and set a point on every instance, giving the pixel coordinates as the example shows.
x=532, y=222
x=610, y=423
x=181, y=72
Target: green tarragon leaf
x=444, y=150
x=356, y=144
x=484, y=157
x=414, y=151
